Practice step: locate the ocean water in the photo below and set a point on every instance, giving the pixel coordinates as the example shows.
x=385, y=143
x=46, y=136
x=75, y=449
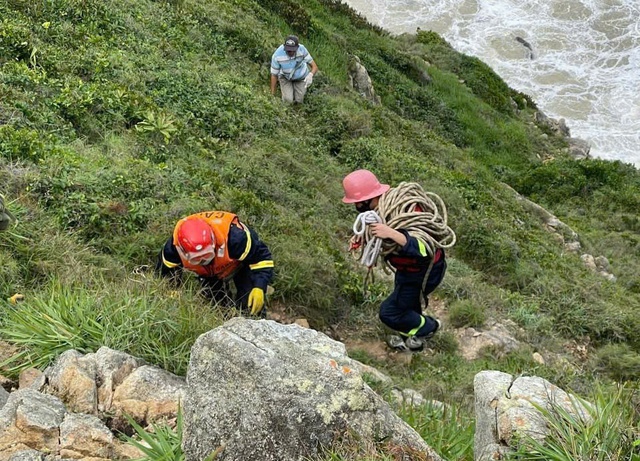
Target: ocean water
x=586, y=56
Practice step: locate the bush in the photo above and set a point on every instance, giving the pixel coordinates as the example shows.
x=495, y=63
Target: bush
x=21, y=144
x=592, y=183
x=466, y=314
x=486, y=84
x=15, y=41
x=292, y=12
x=620, y=362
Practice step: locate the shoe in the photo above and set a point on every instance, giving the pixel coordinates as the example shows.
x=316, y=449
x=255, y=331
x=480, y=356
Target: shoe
x=415, y=343
x=438, y=327
x=396, y=342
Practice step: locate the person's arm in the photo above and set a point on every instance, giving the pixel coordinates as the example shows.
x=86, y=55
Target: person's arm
x=275, y=71
x=410, y=246
x=314, y=67
x=169, y=263
x=246, y=246
x=385, y=232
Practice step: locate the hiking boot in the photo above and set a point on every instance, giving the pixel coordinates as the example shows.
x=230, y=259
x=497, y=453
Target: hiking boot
x=438, y=327
x=396, y=342
x=415, y=343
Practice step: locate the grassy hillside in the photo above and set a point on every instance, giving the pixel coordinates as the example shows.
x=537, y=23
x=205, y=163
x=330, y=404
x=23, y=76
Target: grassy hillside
x=118, y=117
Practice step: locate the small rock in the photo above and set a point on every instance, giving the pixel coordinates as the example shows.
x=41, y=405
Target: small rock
x=602, y=264
x=31, y=378
x=572, y=247
x=538, y=358
x=589, y=262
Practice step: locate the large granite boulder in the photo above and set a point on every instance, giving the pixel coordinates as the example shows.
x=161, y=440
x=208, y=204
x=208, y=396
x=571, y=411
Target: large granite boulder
x=262, y=390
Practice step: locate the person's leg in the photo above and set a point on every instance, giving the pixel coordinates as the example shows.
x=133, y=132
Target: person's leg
x=286, y=88
x=299, y=90
x=401, y=310
x=215, y=290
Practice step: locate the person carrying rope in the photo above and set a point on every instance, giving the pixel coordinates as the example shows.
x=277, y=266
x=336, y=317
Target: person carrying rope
x=407, y=226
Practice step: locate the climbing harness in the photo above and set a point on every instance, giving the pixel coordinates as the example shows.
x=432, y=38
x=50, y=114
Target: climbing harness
x=408, y=206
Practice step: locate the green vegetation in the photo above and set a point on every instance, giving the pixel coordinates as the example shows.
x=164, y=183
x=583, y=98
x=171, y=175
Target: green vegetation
x=608, y=431
x=119, y=117
x=160, y=443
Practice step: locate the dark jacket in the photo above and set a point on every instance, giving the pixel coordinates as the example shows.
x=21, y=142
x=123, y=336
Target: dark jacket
x=258, y=258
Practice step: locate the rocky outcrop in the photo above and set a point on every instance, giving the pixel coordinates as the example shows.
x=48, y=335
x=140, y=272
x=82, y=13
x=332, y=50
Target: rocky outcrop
x=599, y=265
x=494, y=334
x=561, y=232
x=557, y=126
x=507, y=410
x=114, y=383
x=32, y=424
x=360, y=81
x=578, y=148
x=262, y=390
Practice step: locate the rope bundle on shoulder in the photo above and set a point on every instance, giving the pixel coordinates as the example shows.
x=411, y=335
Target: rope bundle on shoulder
x=408, y=206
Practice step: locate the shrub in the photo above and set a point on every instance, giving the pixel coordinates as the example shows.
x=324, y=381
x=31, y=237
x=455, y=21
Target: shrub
x=620, y=362
x=594, y=183
x=292, y=12
x=466, y=314
x=15, y=41
x=358, y=20
x=21, y=144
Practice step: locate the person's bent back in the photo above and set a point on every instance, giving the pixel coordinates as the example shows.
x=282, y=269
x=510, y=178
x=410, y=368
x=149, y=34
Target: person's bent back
x=217, y=247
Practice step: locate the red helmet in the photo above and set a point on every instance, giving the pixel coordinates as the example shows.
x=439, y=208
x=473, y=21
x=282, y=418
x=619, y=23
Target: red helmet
x=362, y=185
x=195, y=241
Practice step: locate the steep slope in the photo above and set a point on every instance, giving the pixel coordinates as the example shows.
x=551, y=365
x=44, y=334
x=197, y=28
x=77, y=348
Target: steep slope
x=120, y=117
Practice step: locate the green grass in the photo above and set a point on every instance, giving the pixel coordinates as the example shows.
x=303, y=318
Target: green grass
x=159, y=443
x=158, y=325
x=117, y=118
x=610, y=432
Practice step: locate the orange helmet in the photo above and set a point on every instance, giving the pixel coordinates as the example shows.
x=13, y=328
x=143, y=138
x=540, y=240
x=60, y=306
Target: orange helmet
x=195, y=241
x=362, y=185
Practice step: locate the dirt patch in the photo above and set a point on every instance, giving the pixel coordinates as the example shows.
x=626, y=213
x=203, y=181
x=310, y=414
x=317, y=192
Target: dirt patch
x=378, y=350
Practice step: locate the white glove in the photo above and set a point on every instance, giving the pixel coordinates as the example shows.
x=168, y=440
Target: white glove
x=308, y=80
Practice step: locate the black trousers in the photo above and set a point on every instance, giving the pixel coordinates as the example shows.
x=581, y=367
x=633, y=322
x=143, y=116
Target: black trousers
x=219, y=291
x=402, y=310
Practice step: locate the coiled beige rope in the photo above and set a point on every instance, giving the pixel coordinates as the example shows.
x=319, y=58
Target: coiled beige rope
x=423, y=214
